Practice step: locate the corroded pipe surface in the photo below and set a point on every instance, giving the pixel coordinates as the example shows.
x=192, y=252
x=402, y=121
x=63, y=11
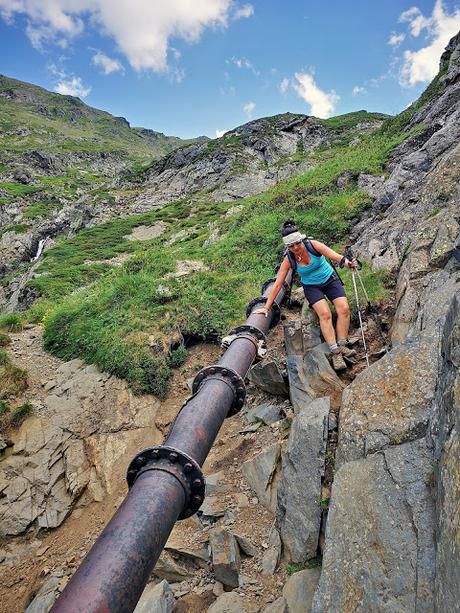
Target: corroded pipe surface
x=114, y=573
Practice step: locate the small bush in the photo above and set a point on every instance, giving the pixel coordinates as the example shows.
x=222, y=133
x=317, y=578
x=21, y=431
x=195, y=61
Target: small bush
x=13, y=381
x=177, y=357
x=312, y=563
x=19, y=414
x=4, y=408
x=11, y=322
x=4, y=358
x=4, y=340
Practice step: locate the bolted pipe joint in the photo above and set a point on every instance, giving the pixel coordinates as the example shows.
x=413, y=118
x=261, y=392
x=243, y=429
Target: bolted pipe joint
x=176, y=463
x=228, y=376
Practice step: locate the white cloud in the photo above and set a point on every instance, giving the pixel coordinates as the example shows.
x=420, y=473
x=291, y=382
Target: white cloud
x=322, y=104
x=283, y=86
x=249, y=109
x=244, y=11
x=396, y=39
x=107, y=64
x=142, y=32
x=422, y=65
x=220, y=133
x=242, y=62
x=72, y=87
x=358, y=90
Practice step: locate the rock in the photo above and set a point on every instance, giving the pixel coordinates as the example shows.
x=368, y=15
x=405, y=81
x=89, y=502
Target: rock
x=390, y=402
x=309, y=372
x=266, y=413
x=213, y=506
x=215, y=485
x=245, y=545
x=380, y=550
x=225, y=557
x=299, y=590
x=272, y=555
x=298, y=511
x=146, y=233
x=261, y=474
x=156, y=599
x=267, y=376
x=166, y=568
x=199, y=556
x=444, y=244
x=45, y=597
x=278, y=606
x=228, y=602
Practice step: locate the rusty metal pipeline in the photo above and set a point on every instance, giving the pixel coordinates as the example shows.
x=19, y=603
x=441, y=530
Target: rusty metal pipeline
x=166, y=482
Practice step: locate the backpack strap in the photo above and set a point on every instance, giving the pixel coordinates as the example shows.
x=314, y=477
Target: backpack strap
x=308, y=246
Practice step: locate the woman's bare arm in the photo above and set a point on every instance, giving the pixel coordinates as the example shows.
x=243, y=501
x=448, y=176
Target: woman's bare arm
x=280, y=278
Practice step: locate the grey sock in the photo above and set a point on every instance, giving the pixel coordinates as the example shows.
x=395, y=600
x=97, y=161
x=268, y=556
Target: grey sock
x=333, y=346
x=341, y=341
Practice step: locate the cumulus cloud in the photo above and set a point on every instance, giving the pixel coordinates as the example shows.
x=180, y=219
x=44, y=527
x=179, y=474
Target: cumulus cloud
x=72, y=87
x=422, y=65
x=249, y=109
x=358, y=90
x=283, y=86
x=107, y=64
x=142, y=33
x=322, y=104
x=220, y=133
x=396, y=39
x=244, y=11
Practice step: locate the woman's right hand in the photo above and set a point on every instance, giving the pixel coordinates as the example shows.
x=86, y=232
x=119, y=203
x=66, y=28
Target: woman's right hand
x=261, y=311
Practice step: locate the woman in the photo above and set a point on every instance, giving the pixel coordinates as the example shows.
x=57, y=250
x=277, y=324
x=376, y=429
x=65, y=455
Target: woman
x=319, y=282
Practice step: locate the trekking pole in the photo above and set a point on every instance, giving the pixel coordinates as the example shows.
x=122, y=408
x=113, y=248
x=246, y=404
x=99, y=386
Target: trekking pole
x=350, y=256
x=359, y=313
x=369, y=306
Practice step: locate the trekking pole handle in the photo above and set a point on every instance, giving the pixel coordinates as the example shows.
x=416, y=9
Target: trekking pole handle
x=349, y=255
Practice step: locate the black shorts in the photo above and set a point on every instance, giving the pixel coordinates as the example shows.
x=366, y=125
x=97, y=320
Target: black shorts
x=332, y=289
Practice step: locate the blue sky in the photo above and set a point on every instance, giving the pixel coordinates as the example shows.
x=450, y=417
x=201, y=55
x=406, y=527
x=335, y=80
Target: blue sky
x=192, y=67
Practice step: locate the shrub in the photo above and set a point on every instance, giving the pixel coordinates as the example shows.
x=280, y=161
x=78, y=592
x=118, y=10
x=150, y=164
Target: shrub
x=11, y=322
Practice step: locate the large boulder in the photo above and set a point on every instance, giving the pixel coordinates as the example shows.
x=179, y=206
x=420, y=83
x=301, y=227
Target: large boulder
x=299, y=491
x=380, y=549
x=309, y=372
x=156, y=599
x=262, y=474
x=226, y=558
x=299, y=590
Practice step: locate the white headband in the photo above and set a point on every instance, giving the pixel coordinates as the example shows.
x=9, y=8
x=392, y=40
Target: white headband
x=295, y=237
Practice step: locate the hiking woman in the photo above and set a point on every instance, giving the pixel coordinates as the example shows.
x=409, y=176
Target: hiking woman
x=319, y=281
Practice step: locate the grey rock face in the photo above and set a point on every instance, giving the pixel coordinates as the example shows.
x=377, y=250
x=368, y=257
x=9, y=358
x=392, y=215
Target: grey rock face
x=156, y=599
x=261, y=473
x=391, y=402
x=45, y=597
x=265, y=413
x=379, y=553
x=446, y=477
x=299, y=590
x=166, y=568
x=225, y=557
x=298, y=512
x=272, y=555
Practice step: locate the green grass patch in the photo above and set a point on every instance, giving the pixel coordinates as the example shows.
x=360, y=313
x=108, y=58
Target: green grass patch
x=19, y=228
x=11, y=322
x=13, y=380
x=13, y=418
x=18, y=189
x=42, y=208
x=312, y=563
x=4, y=340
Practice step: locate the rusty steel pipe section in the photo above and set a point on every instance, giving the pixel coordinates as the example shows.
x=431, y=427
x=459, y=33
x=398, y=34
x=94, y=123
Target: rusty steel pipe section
x=166, y=482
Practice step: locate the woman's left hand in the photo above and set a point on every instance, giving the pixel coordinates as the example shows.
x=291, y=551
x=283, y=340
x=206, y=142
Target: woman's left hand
x=352, y=264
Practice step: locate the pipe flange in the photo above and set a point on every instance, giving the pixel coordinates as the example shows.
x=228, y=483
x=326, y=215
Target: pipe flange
x=178, y=464
x=228, y=376
x=267, y=283
x=261, y=300
x=253, y=330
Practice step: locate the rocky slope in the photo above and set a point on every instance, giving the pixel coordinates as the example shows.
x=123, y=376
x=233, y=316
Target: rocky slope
x=362, y=469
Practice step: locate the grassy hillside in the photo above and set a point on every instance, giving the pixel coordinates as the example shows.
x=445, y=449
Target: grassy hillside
x=33, y=118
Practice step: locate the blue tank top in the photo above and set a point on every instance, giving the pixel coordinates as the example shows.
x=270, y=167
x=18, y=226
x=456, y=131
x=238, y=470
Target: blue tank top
x=317, y=272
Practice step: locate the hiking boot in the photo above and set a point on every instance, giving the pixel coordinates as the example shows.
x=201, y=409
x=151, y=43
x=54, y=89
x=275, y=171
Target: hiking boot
x=352, y=340
x=347, y=352
x=338, y=363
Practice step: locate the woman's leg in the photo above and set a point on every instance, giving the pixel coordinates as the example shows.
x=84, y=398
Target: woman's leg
x=323, y=311
x=342, y=309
